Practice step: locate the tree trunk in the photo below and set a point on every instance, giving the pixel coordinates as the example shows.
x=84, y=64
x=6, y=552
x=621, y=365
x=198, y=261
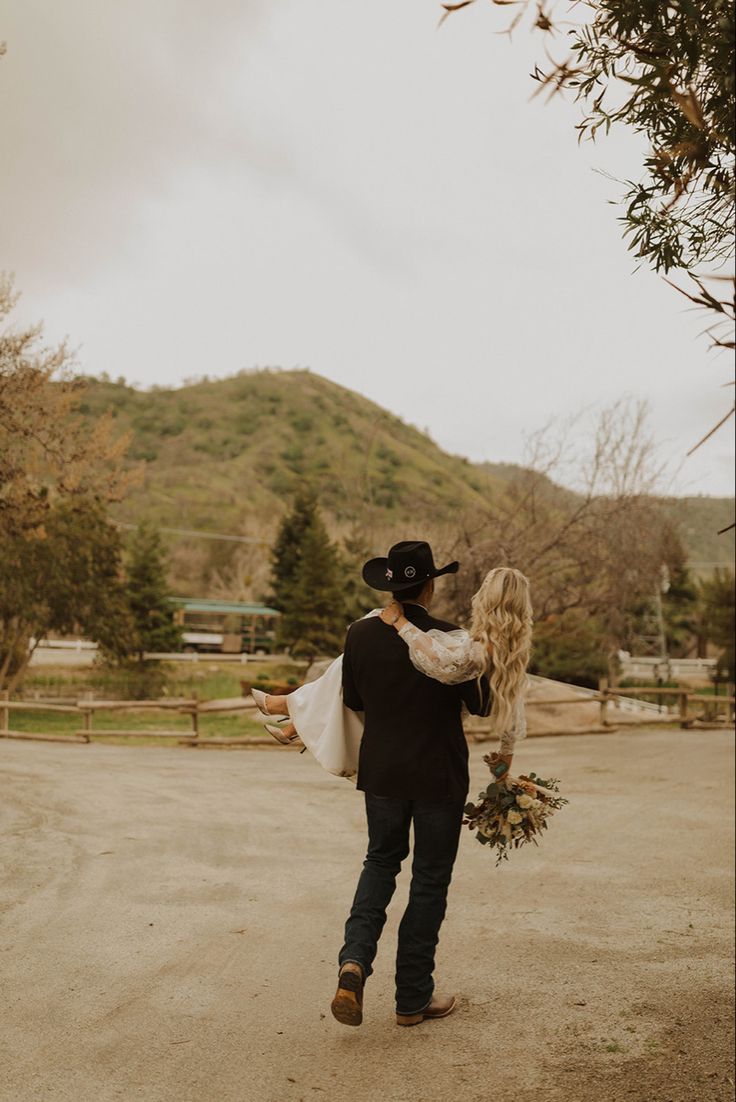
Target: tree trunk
x=16, y=651
x=14, y=680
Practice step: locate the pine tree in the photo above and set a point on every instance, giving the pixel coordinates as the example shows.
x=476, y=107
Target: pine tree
x=680, y=607
x=718, y=602
x=286, y=553
x=359, y=599
x=148, y=595
x=309, y=583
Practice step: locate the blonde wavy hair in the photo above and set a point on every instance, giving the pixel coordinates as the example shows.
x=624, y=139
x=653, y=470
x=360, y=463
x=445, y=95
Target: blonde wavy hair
x=502, y=619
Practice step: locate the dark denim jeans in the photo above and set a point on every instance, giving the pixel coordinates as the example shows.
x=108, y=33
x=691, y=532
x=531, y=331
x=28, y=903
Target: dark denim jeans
x=436, y=836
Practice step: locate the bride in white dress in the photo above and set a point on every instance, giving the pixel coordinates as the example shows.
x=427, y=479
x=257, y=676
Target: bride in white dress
x=497, y=643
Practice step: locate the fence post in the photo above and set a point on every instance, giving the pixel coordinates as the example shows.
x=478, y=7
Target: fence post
x=604, y=698
x=4, y=712
x=195, y=716
x=87, y=713
x=683, y=703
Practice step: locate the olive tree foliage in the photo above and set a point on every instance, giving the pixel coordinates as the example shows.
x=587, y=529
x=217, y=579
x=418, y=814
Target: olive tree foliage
x=664, y=68
x=673, y=62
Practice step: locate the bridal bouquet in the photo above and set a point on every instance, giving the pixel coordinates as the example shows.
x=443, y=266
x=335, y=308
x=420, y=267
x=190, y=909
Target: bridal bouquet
x=513, y=811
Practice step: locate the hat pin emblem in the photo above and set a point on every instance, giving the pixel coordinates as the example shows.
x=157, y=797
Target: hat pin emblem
x=410, y=572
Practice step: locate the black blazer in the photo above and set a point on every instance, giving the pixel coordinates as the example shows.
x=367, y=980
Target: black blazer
x=413, y=746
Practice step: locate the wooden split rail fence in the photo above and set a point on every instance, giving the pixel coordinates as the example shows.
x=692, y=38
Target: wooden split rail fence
x=606, y=698
x=686, y=717
x=86, y=709
x=194, y=709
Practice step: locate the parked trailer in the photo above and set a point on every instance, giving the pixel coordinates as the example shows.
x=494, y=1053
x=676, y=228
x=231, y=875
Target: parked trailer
x=226, y=627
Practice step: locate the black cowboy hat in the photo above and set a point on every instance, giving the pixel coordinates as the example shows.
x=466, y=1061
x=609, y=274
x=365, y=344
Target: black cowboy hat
x=408, y=564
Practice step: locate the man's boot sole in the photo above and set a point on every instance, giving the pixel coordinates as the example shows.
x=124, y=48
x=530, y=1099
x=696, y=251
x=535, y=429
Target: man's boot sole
x=346, y=1008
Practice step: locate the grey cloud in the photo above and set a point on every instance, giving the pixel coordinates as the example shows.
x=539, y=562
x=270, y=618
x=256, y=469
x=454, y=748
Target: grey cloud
x=100, y=104
x=105, y=105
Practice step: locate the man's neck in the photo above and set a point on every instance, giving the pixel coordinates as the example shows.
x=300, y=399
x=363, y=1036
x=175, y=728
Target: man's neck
x=418, y=604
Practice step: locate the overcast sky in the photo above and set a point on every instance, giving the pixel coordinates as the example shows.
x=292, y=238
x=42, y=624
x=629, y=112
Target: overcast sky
x=192, y=188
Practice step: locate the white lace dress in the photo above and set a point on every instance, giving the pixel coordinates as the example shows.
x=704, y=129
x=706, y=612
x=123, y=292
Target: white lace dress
x=332, y=732
x=453, y=657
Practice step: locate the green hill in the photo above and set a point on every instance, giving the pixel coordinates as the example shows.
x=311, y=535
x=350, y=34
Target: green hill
x=222, y=453
x=226, y=456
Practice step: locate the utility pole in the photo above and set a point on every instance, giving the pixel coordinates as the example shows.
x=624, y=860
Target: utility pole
x=663, y=587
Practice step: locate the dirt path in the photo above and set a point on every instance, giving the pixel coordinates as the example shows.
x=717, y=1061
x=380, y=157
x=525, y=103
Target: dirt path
x=171, y=920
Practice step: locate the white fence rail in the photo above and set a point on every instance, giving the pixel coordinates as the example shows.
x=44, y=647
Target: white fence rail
x=81, y=652
x=668, y=669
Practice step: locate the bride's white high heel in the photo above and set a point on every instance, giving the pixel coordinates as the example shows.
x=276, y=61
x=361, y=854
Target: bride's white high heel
x=278, y=734
x=260, y=698
x=261, y=717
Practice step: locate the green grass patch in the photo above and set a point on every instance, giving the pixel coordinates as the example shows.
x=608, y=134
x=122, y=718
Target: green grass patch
x=208, y=679
x=59, y=723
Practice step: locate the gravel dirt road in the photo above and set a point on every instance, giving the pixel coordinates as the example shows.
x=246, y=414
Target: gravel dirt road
x=171, y=920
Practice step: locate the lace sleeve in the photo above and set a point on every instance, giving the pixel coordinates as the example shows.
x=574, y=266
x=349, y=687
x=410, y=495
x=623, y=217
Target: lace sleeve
x=451, y=657
x=517, y=727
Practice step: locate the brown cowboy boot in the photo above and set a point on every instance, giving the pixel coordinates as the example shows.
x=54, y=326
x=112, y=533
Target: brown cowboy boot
x=347, y=1005
x=440, y=1007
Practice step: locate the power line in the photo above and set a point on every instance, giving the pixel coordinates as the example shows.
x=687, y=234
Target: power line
x=198, y=534
x=717, y=562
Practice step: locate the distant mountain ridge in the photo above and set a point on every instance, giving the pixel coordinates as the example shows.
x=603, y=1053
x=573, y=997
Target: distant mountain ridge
x=227, y=455
x=699, y=518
